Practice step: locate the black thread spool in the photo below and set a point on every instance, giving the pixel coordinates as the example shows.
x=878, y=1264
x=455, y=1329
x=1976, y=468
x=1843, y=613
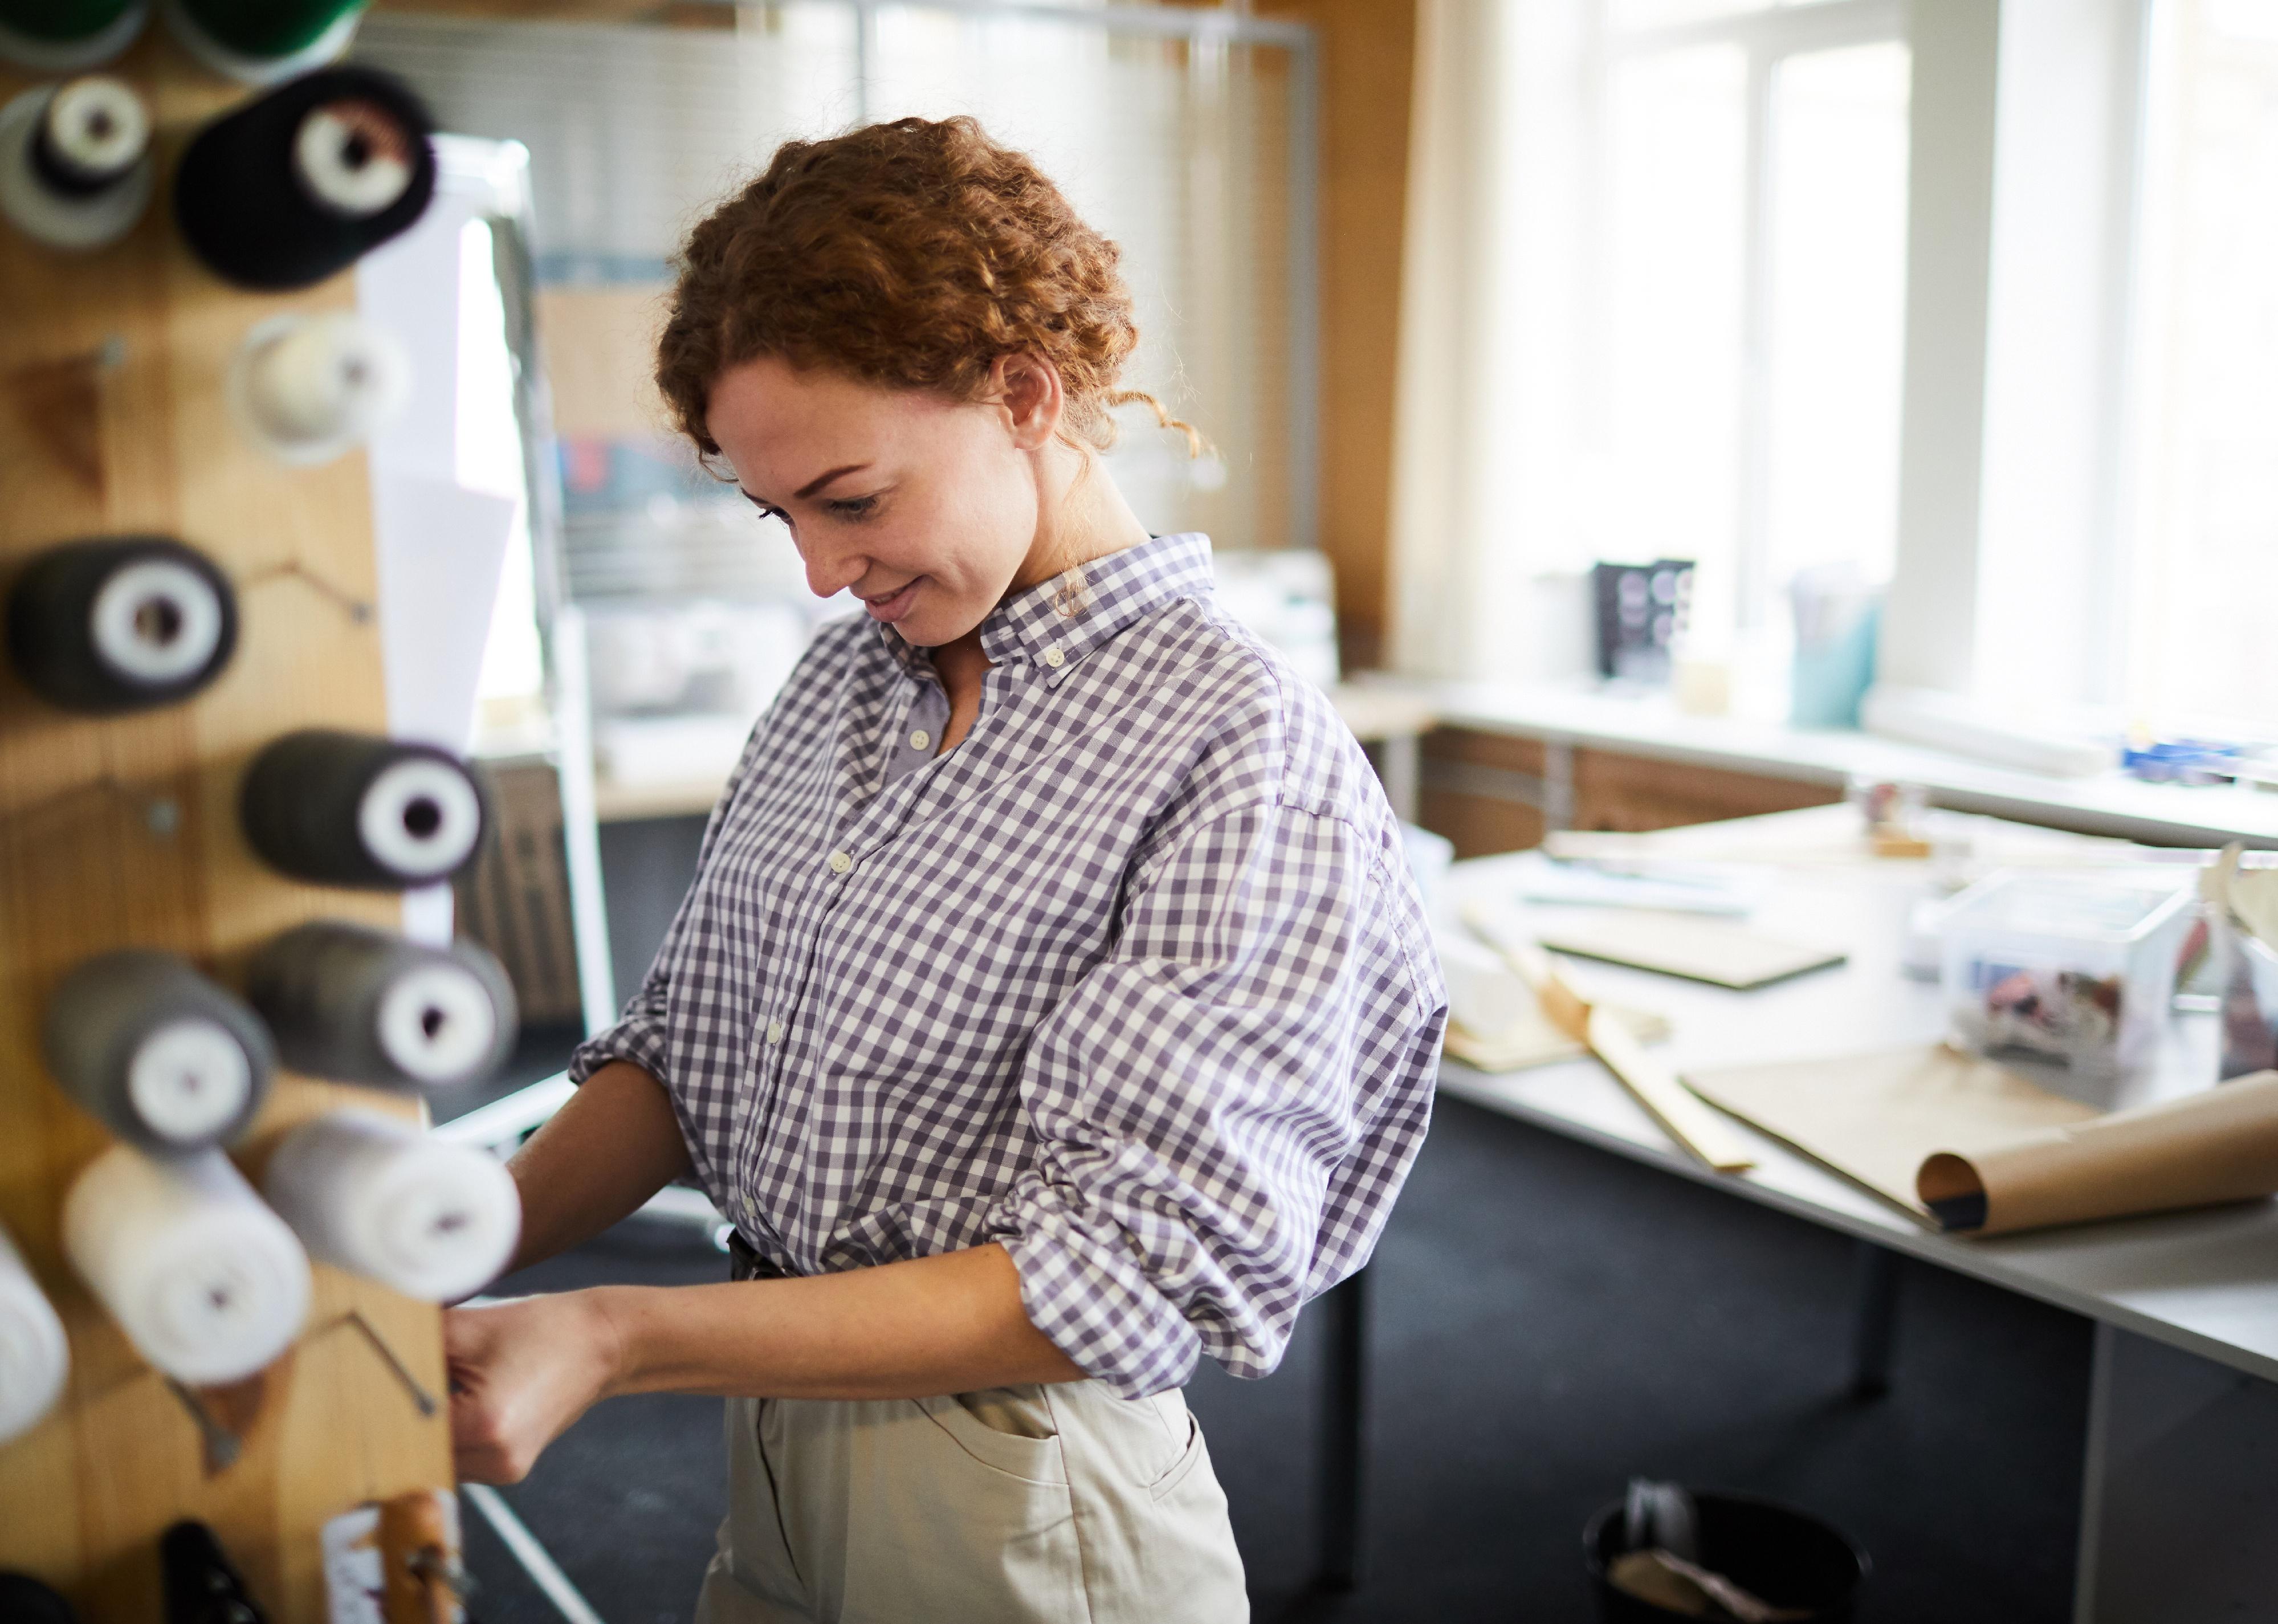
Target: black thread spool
x=202, y=1585
x=360, y=1005
x=302, y=182
x=75, y=165
x=25, y=1600
x=351, y=809
x=122, y=623
x=165, y=1059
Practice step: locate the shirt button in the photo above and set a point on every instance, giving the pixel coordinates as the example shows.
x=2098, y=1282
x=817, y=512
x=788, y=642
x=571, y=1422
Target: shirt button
x=840, y=863
x=1054, y=658
x=774, y=1032
x=921, y=739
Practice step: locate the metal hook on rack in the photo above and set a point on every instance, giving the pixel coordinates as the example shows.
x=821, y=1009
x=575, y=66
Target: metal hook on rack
x=222, y=1445
x=356, y=608
x=420, y=1396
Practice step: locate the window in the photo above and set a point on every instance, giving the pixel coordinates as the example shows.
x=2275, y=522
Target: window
x=1741, y=373
x=2203, y=526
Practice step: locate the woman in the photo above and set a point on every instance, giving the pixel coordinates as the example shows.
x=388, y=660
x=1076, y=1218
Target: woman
x=1051, y=1005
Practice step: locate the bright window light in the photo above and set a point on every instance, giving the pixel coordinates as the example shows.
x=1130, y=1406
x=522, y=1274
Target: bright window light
x=2204, y=430
x=1667, y=452
x=1836, y=311
x=1748, y=318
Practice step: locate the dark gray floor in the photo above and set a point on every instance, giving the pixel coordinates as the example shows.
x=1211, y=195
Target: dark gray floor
x=1549, y=1319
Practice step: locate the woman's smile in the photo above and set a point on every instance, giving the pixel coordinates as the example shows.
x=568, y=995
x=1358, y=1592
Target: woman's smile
x=894, y=605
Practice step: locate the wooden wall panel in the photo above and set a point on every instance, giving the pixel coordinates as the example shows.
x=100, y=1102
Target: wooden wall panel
x=1368, y=52
x=123, y=831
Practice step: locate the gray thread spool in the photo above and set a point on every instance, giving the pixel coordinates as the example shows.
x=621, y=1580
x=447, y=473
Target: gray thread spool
x=161, y=1055
x=360, y=1005
x=354, y=810
x=75, y=165
x=121, y=624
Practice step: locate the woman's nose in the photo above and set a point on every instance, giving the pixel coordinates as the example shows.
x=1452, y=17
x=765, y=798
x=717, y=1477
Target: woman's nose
x=831, y=571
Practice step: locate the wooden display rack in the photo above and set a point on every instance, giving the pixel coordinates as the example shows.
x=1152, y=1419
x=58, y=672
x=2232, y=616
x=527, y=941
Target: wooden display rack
x=124, y=831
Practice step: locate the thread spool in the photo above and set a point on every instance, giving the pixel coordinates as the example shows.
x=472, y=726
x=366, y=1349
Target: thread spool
x=207, y=1284
x=25, y=1600
x=360, y=1005
x=372, y=1194
x=34, y=1355
x=202, y=1585
x=306, y=388
x=122, y=623
x=75, y=165
x=159, y=1055
x=303, y=181
x=352, y=809
x=64, y=37
x=263, y=41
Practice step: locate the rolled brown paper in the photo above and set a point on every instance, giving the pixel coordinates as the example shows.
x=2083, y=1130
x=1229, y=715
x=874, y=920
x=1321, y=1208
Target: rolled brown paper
x=2220, y=1145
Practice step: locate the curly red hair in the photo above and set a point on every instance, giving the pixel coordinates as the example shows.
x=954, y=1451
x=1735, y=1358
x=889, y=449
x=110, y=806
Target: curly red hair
x=911, y=255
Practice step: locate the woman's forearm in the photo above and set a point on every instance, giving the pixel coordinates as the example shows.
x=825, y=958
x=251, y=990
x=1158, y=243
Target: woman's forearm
x=950, y=1324
x=611, y=1146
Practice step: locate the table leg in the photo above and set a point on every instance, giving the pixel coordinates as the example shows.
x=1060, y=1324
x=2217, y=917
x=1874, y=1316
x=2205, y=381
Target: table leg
x=1343, y=1432
x=2178, y=1494
x=1400, y=763
x=1875, y=1325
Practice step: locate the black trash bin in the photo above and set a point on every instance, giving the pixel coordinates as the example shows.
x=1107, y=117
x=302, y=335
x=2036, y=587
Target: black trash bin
x=1786, y=1557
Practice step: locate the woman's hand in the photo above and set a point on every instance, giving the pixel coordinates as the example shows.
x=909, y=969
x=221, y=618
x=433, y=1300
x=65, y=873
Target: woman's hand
x=521, y=1372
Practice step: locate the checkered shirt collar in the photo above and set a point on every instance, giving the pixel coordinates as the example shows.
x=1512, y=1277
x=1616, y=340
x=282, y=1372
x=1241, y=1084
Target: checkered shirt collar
x=1044, y=626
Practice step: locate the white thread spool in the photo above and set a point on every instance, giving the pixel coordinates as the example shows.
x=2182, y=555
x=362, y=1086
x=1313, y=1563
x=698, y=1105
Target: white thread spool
x=306, y=388
x=207, y=1284
x=372, y=1194
x=96, y=176
x=34, y=1355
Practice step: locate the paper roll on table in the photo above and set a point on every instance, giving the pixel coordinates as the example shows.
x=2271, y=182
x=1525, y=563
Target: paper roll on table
x=120, y=623
x=207, y=1284
x=63, y=36
x=352, y=809
x=2220, y=1145
x=363, y=1006
x=75, y=165
x=34, y=1355
x=304, y=181
x=372, y=1194
x=157, y=1053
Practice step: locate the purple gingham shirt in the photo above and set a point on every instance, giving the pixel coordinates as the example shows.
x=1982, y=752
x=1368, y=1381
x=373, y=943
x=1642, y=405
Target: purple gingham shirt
x=1134, y=980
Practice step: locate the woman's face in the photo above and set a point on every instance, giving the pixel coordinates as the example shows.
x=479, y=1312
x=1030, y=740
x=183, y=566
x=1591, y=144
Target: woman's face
x=925, y=507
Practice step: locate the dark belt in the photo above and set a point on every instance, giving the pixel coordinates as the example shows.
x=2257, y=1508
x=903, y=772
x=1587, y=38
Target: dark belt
x=745, y=1264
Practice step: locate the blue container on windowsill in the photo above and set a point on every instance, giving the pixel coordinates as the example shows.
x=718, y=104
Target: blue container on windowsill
x=1834, y=660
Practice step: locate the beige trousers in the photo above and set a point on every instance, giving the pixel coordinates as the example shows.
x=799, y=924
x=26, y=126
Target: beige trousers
x=1061, y=1505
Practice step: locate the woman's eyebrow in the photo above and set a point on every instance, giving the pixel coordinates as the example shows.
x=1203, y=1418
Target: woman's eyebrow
x=813, y=485
x=809, y=488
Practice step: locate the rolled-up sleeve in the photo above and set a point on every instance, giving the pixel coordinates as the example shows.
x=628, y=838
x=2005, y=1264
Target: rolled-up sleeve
x=1227, y=1106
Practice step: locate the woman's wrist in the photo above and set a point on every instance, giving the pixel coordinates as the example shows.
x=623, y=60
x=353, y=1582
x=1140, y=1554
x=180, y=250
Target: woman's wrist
x=614, y=1339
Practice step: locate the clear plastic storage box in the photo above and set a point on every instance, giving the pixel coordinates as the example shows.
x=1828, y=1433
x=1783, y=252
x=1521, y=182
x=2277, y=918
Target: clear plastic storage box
x=2070, y=969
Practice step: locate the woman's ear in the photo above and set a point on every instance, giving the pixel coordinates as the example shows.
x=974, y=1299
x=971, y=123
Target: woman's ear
x=1027, y=386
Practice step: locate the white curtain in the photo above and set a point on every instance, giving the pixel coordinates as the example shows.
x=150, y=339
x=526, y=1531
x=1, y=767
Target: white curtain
x=1487, y=557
